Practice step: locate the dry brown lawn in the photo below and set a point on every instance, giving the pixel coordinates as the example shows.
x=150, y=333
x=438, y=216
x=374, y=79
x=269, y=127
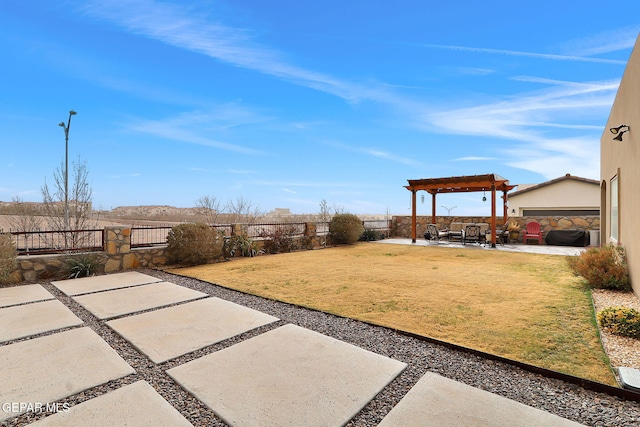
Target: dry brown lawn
x=526, y=307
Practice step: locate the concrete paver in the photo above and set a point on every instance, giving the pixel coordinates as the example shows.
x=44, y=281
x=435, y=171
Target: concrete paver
x=49, y=368
x=170, y=332
x=287, y=376
x=22, y=294
x=136, y=404
x=30, y=319
x=440, y=402
x=85, y=285
x=105, y=305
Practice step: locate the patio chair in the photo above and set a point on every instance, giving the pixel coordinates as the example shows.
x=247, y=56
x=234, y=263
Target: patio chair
x=532, y=232
x=435, y=234
x=456, y=231
x=484, y=228
x=471, y=234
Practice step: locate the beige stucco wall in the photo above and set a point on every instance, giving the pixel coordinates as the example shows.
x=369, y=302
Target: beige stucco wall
x=567, y=194
x=622, y=159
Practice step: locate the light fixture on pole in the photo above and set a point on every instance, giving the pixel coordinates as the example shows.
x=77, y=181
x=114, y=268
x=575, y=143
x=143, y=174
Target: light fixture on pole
x=449, y=209
x=619, y=131
x=66, y=170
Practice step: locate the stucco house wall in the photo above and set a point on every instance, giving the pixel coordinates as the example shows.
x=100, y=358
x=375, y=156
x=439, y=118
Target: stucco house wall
x=619, y=162
x=570, y=194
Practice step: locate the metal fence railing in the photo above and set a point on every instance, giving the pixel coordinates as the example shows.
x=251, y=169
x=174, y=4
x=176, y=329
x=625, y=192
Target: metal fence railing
x=48, y=242
x=52, y=242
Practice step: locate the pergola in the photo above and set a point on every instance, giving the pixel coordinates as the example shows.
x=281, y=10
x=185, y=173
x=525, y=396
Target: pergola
x=460, y=184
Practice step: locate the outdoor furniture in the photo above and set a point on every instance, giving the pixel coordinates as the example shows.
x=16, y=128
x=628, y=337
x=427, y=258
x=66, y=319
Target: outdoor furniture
x=499, y=237
x=567, y=238
x=435, y=234
x=471, y=234
x=532, y=232
x=484, y=227
x=456, y=231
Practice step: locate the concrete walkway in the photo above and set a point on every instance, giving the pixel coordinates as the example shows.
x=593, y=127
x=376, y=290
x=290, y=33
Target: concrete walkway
x=509, y=247
x=286, y=376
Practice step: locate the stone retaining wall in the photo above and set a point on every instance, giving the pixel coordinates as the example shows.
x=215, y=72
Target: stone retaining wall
x=117, y=255
x=401, y=225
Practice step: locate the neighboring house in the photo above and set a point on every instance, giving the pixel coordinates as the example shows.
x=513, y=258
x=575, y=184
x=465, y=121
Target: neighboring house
x=620, y=170
x=565, y=196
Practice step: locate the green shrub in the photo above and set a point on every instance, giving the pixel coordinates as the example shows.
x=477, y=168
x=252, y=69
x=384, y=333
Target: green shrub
x=193, y=244
x=82, y=265
x=8, y=256
x=240, y=245
x=282, y=239
x=371, y=235
x=602, y=267
x=345, y=229
x=620, y=321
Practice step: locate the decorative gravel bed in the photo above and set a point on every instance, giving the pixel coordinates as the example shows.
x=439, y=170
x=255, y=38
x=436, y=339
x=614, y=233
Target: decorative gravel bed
x=564, y=399
x=622, y=351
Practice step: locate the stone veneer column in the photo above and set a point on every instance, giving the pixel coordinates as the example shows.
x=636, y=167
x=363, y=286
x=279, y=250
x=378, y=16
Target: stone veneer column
x=117, y=246
x=310, y=234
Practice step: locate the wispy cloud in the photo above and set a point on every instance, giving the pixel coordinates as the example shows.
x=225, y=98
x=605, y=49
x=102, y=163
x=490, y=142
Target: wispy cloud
x=179, y=26
x=522, y=121
x=373, y=152
x=473, y=159
x=191, y=128
x=604, y=42
x=522, y=53
x=288, y=191
x=306, y=184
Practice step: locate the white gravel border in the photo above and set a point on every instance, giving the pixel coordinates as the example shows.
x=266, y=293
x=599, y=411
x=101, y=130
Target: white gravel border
x=622, y=351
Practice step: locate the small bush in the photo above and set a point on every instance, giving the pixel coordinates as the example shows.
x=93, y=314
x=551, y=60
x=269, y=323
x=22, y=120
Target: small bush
x=620, y=321
x=8, y=256
x=82, y=265
x=602, y=267
x=193, y=244
x=283, y=239
x=239, y=246
x=371, y=235
x=345, y=229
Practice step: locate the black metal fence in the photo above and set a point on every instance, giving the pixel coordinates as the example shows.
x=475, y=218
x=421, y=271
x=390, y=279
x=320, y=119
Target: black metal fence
x=50, y=242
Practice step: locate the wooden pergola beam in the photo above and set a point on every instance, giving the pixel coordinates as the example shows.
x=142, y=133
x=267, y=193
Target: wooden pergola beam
x=459, y=184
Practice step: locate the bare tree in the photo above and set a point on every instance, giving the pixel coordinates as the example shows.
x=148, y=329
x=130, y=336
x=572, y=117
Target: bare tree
x=25, y=216
x=325, y=217
x=209, y=207
x=79, y=205
x=242, y=210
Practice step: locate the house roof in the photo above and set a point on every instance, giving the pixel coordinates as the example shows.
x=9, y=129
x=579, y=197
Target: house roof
x=554, y=181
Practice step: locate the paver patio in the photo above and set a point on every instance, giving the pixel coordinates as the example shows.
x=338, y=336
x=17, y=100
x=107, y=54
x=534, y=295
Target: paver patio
x=113, y=303
x=22, y=294
x=136, y=404
x=440, y=402
x=30, y=319
x=287, y=376
x=52, y=367
x=170, y=332
x=85, y=285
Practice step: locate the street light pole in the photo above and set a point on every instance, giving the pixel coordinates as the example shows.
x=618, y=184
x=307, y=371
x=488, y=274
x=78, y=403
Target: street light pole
x=66, y=170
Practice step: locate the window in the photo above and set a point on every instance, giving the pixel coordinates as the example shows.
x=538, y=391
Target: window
x=613, y=203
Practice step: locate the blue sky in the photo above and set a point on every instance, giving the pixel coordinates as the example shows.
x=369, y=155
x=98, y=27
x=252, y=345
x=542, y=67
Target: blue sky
x=286, y=103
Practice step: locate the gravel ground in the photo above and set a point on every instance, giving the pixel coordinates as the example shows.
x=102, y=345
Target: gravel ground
x=564, y=399
x=622, y=351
